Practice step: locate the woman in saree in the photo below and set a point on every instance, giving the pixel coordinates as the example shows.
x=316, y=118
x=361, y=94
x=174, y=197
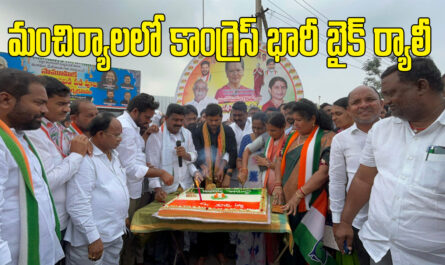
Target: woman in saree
x=257, y=248
x=302, y=175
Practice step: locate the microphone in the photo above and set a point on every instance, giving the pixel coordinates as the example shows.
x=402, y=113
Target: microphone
x=178, y=144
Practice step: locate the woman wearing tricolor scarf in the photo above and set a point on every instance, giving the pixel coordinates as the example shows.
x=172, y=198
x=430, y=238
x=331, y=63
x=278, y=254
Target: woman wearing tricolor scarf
x=301, y=178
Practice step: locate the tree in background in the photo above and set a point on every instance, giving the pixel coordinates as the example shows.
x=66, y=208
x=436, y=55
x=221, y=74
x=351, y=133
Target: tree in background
x=373, y=71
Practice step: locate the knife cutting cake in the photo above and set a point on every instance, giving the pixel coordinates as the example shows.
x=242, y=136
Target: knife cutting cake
x=243, y=205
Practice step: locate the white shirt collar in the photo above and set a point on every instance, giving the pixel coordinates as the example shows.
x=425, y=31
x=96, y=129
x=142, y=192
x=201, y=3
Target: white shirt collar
x=179, y=135
x=354, y=128
x=440, y=119
x=127, y=116
x=246, y=125
x=98, y=152
x=200, y=102
x=17, y=132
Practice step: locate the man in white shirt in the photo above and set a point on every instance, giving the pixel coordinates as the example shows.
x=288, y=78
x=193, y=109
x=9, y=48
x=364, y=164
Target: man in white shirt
x=98, y=199
x=82, y=113
x=60, y=157
x=241, y=126
x=402, y=173
x=364, y=106
x=201, y=100
x=131, y=151
x=162, y=152
x=28, y=228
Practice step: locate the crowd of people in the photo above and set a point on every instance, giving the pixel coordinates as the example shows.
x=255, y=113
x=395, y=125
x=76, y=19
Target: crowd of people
x=68, y=192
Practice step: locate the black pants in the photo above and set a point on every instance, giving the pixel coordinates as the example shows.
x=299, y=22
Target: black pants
x=164, y=245
x=357, y=246
x=63, y=243
x=216, y=240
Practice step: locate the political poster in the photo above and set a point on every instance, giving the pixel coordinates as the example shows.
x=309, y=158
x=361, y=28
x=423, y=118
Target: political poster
x=258, y=81
x=111, y=89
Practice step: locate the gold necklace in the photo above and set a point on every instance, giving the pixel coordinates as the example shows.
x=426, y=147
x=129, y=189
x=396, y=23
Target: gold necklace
x=298, y=140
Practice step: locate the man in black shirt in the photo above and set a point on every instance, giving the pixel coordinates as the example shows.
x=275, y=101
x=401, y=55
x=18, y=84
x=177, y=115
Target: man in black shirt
x=216, y=147
x=217, y=157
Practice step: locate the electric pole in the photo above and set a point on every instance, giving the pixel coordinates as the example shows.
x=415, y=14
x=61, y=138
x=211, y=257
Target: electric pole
x=260, y=19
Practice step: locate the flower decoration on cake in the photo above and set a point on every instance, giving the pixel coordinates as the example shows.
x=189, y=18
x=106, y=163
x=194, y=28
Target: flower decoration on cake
x=219, y=196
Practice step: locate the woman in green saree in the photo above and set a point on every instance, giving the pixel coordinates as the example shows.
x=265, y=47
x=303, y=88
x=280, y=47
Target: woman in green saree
x=302, y=175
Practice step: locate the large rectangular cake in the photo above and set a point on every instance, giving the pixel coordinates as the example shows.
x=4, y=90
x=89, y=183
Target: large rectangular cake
x=237, y=205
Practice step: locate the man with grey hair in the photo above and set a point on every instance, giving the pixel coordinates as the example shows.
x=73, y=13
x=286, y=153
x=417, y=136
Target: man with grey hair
x=201, y=100
x=364, y=106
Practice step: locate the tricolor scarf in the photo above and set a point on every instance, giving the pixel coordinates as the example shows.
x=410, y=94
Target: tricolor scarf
x=29, y=208
x=74, y=129
x=213, y=166
x=271, y=155
x=309, y=232
x=309, y=161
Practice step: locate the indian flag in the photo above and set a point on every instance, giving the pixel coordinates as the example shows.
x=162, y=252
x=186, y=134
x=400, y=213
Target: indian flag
x=309, y=233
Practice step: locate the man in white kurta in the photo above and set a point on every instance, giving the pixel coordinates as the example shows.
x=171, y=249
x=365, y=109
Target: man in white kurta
x=25, y=114
x=242, y=125
x=98, y=198
x=60, y=168
x=60, y=157
x=161, y=151
x=50, y=249
x=138, y=115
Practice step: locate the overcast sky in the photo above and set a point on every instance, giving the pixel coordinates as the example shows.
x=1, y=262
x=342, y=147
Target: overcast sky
x=160, y=75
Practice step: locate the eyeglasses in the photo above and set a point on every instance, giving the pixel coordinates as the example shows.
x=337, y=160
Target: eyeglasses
x=119, y=136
